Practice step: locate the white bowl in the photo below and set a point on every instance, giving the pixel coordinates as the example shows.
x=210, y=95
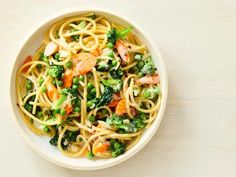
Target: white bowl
x=41, y=144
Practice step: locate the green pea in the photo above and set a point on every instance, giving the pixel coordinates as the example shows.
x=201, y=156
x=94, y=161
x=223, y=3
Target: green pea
x=110, y=54
x=68, y=64
x=28, y=82
x=138, y=56
x=57, y=110
x=89, y=104
x=41, y=81
x=81, y=78
x=110, y=45
x=90, y=86
x=76, y=80
x=60, y=83
x=114, y=63
x=104, y=111
x=44, y=89
x=76, y=109
x=28, y=86
x=46, y=129
x=140, y=64
x=39, y=66
x=140, y=74
x=75, y=86
x=92, y=118
x=63, y=112
x=57, y=56
x=93, y=91
x=90, y=155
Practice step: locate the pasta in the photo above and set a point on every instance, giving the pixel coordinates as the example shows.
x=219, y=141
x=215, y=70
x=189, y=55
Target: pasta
x=91, y=86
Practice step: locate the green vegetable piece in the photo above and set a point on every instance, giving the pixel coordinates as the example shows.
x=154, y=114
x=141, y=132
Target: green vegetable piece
x=140, y=74
x=53, y=140
x=105, y=98
x=44, y=90
x=115, y=84
x=60, y=83
x=114, y=62
x=92, y=16
x=43, y=57
x=60, y=101
x=116, y=147
x=76, y=80
x=89, y=104
x=123, y=33
x=102, y=66
x=76, y=109
x=114, y=34
x=40, y=114
x=116, y=74
x=41, y=81
x=110, y=54
x=46, y=129
x=82, y=24
x=28, y=86
x=39, y=66
x=90, y=86
x=136, y=124
x=81, y=78
x=63, y=112
x=57, y=110
x=138, y=56
x=75, y=86
x=148, y=69
x=140, y=64
x=92, y=118
x=28, y=107
x=110, y=45
x=73, y=93
x=151, y=93
x=93, y=91
x=69, y=64
x=55, y=71
x=90, y=155
x=57, y=56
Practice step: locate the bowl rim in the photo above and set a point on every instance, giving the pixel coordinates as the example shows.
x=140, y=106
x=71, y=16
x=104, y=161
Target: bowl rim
x=162, y=65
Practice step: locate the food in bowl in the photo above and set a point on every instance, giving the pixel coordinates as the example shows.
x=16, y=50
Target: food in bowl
x=91, y=86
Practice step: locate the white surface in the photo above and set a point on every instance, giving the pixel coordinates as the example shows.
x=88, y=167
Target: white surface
x=197, y=136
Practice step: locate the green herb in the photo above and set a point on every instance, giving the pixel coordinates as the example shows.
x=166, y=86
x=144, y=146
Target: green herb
x=106, y=97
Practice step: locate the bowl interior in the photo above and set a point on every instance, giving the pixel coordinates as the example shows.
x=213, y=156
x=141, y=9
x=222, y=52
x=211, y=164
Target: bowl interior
x=41, y=144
